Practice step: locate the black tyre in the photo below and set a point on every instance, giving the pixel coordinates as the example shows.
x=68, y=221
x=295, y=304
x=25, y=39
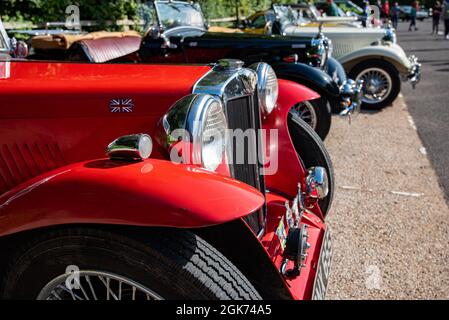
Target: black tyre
x=164, y=264
x=316, y=114
x=382, y=83
x=312, y=152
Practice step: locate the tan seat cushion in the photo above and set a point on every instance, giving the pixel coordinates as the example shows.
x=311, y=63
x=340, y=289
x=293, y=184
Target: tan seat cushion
x=224, y=30
x=64, y=41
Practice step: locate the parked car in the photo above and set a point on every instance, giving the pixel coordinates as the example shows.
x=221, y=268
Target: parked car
x=291, y=94
x=184, y=38
x=135, y=225
x=421, y=14
x=347, y=7
x=368, y=54
x=262, y=22
x=404, y=12
x=56, y=153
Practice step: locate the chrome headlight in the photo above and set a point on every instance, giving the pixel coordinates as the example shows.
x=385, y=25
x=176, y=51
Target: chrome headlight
x=267, y=86
x=347, y=89
x=199, y=120
x=389, y=35
x=207, y=124
x=318, y=52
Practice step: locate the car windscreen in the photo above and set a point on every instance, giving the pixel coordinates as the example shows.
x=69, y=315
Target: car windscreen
x=285, y=14
x=288, y=16
x=3, y=37
x=177, y=14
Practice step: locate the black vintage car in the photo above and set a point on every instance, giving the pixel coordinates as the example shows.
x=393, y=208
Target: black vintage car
x=179, y=33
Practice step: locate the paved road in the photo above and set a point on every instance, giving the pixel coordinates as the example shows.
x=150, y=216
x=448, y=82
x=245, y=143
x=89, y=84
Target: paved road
x=389, y=220
x=429, y=103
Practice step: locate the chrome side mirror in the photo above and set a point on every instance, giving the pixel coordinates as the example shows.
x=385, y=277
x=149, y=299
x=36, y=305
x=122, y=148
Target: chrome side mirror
x=317, y=183
x=167, y=44
x=131, y=147
x=154, y=32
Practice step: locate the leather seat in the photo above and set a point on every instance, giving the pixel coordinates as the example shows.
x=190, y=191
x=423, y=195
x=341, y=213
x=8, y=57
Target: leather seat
x=103, y=49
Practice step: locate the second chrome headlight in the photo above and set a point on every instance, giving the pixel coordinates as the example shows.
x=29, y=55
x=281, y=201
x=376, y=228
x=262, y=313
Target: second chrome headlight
x=267, y=86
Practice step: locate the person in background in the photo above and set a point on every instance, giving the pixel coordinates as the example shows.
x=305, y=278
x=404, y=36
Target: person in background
x=415, y=8
x=332, y=9
x=386, y=10
x=379, y=4
x=366, y=13
x=395, y=10
x=445, y=16
x=436, y=16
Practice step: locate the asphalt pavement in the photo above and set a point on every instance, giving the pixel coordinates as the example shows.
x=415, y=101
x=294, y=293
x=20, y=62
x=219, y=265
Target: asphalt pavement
x=390, y=219
x=429, y=103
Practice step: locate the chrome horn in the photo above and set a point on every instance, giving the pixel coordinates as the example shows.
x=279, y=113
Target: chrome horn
x=131, y=147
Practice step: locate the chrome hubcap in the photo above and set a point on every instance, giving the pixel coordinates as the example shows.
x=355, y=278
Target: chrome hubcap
x=378, y=85
x=307, y=113
x=95, y=285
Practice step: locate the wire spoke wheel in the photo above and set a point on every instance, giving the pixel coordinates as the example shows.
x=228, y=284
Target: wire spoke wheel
x=95, y=285
x=377, y=85
x=306, y=112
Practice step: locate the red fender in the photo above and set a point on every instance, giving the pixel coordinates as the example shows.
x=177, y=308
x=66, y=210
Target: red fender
x=148, y=193
x=290, y=170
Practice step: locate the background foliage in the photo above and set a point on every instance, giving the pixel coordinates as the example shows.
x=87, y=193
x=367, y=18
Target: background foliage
x=101, y=10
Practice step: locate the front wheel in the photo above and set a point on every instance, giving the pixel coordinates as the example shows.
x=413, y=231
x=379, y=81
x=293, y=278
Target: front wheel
x=316, y=114
x=89, y=264
x=313, y=153
x=381, y=83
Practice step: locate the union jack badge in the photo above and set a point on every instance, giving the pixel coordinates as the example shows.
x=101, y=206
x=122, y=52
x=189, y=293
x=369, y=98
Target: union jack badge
x=121, y=105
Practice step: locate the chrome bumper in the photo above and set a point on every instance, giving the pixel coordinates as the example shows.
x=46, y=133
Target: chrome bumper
x=414, y=75
x=351, y=95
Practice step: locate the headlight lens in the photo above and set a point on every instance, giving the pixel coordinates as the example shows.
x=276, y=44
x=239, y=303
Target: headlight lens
x=267, y=86
x=200, y=120
x=213, y=138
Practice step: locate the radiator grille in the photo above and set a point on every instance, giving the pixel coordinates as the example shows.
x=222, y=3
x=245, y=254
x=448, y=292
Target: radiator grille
x=244, y=114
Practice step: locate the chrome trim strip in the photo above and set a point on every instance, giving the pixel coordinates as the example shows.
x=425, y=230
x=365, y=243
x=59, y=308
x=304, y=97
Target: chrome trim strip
x=227, y=80
x=5, y=39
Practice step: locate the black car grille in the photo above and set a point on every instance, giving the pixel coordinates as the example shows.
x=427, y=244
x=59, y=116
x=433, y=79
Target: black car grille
x=244, y=114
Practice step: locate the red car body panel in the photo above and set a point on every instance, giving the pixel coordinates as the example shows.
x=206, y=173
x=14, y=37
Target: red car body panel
x=148, y=193
x=301, y=287
x=60, y=130
x=48, y=141
x=285, y=182
x=290, y=169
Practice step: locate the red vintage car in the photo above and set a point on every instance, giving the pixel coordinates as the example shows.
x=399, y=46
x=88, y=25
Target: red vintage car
x=139, y=225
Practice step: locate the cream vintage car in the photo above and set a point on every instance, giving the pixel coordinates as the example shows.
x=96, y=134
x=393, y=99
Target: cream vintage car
x=368, y=54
